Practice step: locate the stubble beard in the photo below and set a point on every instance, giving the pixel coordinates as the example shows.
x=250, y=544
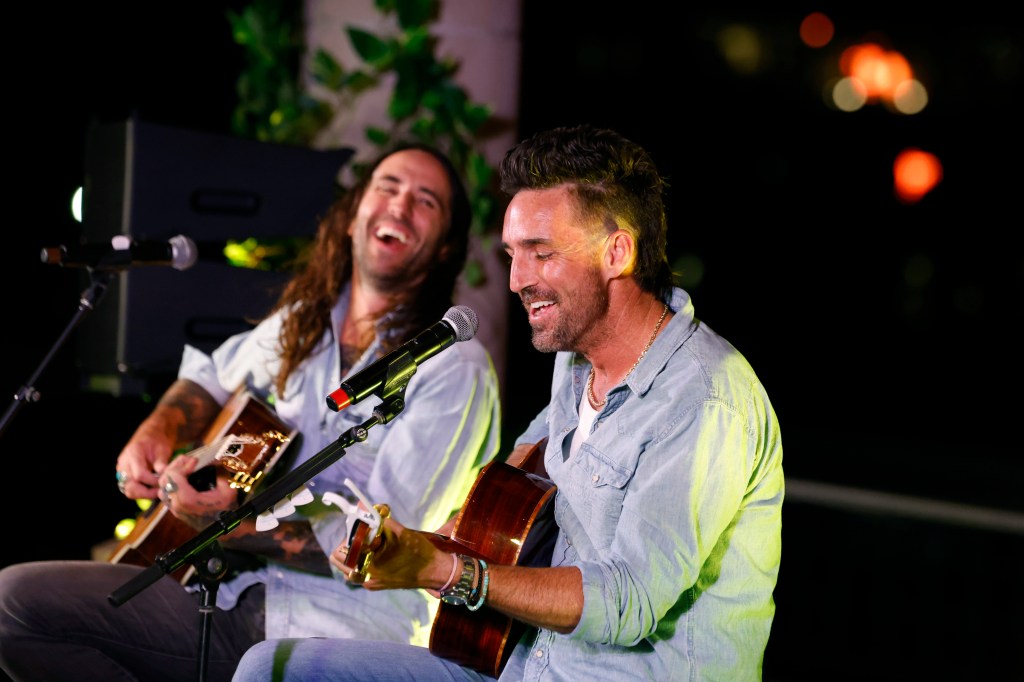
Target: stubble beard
x=587, y=302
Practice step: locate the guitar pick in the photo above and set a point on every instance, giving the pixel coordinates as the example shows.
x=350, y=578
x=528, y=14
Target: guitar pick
x=266, y=521
x=284, y=508
x=301, y=496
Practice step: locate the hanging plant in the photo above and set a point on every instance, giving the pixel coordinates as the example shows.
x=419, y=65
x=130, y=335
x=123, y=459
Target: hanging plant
x=426, y=104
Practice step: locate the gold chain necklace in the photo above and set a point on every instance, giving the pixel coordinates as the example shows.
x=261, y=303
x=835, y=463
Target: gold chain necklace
x=597, y=405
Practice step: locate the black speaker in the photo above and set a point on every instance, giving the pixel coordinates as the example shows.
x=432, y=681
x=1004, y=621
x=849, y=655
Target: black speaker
x=153, y=182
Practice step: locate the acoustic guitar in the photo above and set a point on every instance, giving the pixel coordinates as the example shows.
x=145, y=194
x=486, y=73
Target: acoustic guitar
x=246, y=439
x=507, y=519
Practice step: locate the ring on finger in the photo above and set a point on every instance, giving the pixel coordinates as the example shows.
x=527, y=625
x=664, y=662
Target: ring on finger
x=122, y=480
x=170, y=487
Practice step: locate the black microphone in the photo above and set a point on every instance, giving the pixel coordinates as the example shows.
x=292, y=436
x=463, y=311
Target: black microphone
x=123, y=252
x=458, y=324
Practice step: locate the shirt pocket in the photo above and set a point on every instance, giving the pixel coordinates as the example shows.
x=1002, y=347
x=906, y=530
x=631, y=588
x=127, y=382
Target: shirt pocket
x=602, y=486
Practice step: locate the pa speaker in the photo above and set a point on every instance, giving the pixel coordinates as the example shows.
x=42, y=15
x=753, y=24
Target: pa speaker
x=153, y=182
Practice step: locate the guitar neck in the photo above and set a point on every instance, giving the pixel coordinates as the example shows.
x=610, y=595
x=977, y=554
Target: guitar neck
x=205, y=454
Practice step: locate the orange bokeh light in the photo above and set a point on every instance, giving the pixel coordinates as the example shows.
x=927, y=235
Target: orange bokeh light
x=816, y=30
x=915, y=173
x=880, y=71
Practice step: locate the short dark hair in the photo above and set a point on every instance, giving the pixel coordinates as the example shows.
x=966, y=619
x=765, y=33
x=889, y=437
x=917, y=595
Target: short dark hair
x=614, y=180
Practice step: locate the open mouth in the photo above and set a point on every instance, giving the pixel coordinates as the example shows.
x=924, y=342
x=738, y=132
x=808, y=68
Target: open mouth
x=538, y=309
x=389, y=234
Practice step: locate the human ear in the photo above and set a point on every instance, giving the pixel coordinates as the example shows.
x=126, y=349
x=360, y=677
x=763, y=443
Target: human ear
x=620, y=253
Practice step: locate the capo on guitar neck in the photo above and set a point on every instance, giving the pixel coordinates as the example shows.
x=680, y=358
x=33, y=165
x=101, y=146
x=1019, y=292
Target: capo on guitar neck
x=365, y=521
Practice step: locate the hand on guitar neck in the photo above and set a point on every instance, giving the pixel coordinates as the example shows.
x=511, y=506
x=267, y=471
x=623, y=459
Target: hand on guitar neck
x=395, y=557
x=368, y=536
x=506, y=520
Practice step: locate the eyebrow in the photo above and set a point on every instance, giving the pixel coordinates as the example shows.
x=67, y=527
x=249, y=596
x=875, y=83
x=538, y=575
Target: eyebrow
x=534, y=241
x=422, y=189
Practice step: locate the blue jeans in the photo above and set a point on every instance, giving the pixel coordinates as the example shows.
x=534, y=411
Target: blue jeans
x=320, y=660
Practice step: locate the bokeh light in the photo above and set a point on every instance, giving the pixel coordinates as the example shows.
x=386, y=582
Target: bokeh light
x=816, y=30
x=880, y=70
x=915, y=174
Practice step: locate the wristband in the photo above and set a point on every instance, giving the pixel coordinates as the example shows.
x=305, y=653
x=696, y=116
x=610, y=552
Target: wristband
x=455, y=569
x=485, y=580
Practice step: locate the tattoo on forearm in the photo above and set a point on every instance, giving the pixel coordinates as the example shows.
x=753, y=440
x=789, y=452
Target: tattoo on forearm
x=292, y=543
x=193, y=407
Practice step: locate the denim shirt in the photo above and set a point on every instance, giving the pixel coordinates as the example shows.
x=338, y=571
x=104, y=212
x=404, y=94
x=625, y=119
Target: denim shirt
x=422, y=464
x=672, y=511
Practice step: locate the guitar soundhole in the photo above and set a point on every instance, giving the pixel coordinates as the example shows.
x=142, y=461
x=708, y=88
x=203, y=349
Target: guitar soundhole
x=203, y=479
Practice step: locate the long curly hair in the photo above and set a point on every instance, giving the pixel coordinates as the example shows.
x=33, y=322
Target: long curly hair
x=325, y=268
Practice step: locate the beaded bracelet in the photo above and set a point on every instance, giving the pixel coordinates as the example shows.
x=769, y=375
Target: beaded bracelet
x=485, y=581
x=455, y=569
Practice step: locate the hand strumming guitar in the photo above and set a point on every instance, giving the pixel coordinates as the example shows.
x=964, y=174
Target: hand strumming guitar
x=182, y=414
x=197, y=508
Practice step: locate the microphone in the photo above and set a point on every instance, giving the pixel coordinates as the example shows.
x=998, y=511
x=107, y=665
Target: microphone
x=458, y=324
x=123, y=252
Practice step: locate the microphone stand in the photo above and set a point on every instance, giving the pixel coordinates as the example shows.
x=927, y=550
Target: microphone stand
x=205, y=553
x=86, y=303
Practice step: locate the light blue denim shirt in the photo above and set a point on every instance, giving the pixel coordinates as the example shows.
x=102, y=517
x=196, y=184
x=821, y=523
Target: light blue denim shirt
x=672, y=511
x=422, y=463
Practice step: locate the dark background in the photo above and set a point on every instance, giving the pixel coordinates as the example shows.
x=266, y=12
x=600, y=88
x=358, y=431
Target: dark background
x=882, y=381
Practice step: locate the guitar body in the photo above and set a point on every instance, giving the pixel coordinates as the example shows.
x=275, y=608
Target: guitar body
x=247, y=439
x=507, y=519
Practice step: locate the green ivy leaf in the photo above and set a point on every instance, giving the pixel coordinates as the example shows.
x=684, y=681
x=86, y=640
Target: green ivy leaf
x=423, y=129
x=479, y=171
x=369, y=47
x=377, y=136
x=474, y=273
x=415, y=13
x=359, y=81
x=474, y=116
x=426, y=105
x=326, y=70
x=417, y=42
x=385, y=7
x=404, y=99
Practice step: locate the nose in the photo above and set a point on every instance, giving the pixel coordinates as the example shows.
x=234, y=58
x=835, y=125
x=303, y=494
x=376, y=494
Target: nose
x=520, y=274
x=400, y=205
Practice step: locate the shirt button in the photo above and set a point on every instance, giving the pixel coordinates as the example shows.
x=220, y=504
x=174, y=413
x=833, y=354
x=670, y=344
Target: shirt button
x=595, y=478
x=538, y=654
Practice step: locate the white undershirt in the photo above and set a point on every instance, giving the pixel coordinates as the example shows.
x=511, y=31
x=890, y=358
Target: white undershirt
x=587, y=416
